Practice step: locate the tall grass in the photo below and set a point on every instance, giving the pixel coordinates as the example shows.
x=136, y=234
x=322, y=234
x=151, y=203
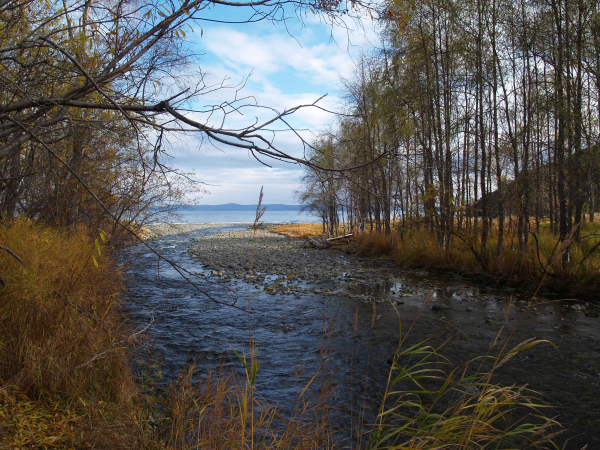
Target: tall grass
x=64, y=376
x=539, y=262
x=223, y=411
x=432, y=408
x=57, y=314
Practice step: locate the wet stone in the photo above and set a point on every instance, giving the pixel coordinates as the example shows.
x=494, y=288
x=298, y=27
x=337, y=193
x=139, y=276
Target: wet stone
x=439, y=307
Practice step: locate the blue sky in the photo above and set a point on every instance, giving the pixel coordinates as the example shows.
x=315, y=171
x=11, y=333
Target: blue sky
x=286, y=66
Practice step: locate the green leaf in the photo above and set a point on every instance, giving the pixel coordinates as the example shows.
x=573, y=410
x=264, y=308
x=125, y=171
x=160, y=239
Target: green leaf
x=242, y=360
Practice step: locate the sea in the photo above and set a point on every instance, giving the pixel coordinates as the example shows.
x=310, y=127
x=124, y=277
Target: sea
x=187, y=215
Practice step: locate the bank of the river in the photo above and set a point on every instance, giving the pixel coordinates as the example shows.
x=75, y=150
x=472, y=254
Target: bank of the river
x=274, y=257
x=539, y=266
x=65, y=379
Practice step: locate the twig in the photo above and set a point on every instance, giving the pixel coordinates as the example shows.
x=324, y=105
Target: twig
x=11, y=253
x=589, y=253
x=537, y=249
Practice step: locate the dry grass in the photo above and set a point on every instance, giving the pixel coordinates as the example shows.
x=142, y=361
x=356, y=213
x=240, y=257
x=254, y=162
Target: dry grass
x=430, y=407
x=429, y=404
x=64, y=377
x=299, y=230
x=305, y=230
x=57, y=313
x=225, y=412
x=422, y=249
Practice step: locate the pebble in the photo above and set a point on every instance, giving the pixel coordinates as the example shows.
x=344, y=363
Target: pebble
x=275, y=256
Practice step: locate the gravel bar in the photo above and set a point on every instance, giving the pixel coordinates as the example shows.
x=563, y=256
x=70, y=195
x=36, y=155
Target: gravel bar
x=276, y=257
x=168, y=229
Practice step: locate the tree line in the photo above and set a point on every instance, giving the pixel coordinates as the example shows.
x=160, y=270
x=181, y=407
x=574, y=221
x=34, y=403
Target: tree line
x=94, y=94
x=478, y=115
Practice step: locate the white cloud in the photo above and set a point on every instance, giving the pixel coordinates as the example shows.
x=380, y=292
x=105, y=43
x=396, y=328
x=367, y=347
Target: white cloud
x=270, y=53
x=285, y=74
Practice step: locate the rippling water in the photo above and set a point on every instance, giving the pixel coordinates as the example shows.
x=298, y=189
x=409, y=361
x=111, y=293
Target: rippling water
x=290, y=332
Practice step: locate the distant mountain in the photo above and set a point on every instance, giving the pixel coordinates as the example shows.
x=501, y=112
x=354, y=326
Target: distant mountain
x=236, y=207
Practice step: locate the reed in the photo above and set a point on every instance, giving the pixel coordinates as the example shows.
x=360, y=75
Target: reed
x=431, y=404
x=223, y=411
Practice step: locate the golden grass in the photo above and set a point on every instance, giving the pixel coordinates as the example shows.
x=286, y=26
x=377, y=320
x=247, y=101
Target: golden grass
x=305, y=230
x=58, y=311
x=65, y=379
x=224, y=412
x=422, y=249
x=299, y=230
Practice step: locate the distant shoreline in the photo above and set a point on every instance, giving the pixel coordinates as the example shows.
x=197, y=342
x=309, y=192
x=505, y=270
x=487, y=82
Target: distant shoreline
x=168, y=229
x=237, y=207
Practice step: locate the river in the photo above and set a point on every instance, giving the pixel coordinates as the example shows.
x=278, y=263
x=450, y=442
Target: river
x=290, y=329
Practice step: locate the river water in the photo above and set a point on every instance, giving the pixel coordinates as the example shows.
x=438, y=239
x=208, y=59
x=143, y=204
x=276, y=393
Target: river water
x=294, y=330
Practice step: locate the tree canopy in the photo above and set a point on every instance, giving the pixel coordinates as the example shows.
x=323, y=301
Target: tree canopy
x=90, y=91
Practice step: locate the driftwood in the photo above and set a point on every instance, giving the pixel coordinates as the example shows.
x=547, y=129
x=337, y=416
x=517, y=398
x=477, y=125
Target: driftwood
x=340, y=237
x=317, y=243
x=323, y=243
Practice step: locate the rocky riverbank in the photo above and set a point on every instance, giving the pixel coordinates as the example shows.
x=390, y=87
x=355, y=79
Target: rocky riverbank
x=169, y=229
x=274, y=258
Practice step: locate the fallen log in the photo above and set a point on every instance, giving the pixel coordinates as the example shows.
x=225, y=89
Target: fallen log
x=324, y=243
x=340, y=237
x=317, y=243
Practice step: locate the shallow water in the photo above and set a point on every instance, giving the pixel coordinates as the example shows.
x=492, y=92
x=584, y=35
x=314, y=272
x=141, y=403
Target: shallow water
x=292, y=333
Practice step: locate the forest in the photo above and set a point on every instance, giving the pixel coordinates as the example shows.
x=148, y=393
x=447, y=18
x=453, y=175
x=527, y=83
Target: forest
x=482, y=122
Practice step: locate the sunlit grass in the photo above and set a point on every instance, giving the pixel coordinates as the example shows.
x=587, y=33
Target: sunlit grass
x=300, y=230
x=430, y=407
x=431, y=404
x=541, y=259
x=65, y=376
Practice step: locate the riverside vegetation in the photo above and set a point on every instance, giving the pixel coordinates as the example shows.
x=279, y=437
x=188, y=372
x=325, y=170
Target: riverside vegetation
x=66, y=381
x=540, y=266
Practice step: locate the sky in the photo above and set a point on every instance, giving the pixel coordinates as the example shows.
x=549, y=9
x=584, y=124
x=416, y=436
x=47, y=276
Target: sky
x=280, y=66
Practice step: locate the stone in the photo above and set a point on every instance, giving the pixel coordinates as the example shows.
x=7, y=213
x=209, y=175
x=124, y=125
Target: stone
x=439, y=307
